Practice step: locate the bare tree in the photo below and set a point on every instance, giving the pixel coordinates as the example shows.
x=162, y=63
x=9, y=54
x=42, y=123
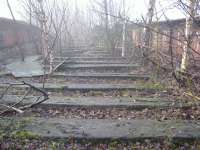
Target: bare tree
x=50, y=17
x=30, y=89
x=124, y=30
x=147, y=31
x=112, y=27
x=188, y=32
x=18, y=44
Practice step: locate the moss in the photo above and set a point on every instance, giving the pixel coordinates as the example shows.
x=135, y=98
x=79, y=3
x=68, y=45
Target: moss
x=112, y=145
x=155, y=86
x=24, y=135
x=54, y=145
x=14, y=128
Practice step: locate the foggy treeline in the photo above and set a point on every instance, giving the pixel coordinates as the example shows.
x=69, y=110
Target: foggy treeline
x=109, y=24
x=74, y=25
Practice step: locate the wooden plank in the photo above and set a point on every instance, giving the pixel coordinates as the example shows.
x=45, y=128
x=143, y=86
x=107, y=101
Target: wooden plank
x=79, y=66
x=98, y=62
x=59, y=128
x=101, y=75
x=86, y=87
x=88, y=58
x=101, y=102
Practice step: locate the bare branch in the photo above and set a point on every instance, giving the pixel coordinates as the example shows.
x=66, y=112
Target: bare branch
x=31, y=88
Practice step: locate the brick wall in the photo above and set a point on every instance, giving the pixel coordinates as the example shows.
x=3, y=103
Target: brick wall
x=26, y=36
x=161, y=42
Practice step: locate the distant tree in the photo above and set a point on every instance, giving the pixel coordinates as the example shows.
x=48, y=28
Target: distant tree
x=147, y=30
x=124, y=31
x=18, y=42
x=111, y=16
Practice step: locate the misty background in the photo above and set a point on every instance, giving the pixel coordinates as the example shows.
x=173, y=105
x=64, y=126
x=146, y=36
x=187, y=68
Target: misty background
x=136, y=8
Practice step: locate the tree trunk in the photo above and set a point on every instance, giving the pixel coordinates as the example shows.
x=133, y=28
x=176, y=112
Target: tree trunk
x=108, y=44
x=124, y=31
x=47, y=53
x=188, y=32
x=18, y=44
x=30, y=12
x=147, y=31
x=170, y=46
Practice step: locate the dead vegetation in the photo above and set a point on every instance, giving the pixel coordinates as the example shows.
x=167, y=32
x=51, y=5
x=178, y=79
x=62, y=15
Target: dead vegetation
x=14, y=107
x=107, y=33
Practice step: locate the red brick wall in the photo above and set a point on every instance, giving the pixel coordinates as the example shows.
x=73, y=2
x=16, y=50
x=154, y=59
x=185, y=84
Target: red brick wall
x=161, y=42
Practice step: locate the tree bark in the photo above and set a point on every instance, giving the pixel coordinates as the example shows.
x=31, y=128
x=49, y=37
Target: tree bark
x=47, y=52
x=30, y=12
x=124, y=31
x=188, y=32
x=147, y=32
x=108, y=43
x=18, y=44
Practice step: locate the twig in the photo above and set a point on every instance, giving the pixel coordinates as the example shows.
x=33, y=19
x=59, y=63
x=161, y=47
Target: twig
x=45, y=95
x=191, y=95
x=10, y=9
x=31, y=87
x=24, y=96
x=10, y=107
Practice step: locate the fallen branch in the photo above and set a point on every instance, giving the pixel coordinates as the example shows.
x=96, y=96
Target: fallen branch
x=192, y=96
x=20, y=109
x=11, y=108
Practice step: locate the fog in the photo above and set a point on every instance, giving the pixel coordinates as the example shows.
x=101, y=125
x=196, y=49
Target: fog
x=135, y=8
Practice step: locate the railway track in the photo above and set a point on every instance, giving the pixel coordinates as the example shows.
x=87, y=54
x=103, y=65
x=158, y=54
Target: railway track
x=100, y=106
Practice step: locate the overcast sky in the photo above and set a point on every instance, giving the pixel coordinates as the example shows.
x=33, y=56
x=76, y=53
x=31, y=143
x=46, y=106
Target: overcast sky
x=137, y=8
